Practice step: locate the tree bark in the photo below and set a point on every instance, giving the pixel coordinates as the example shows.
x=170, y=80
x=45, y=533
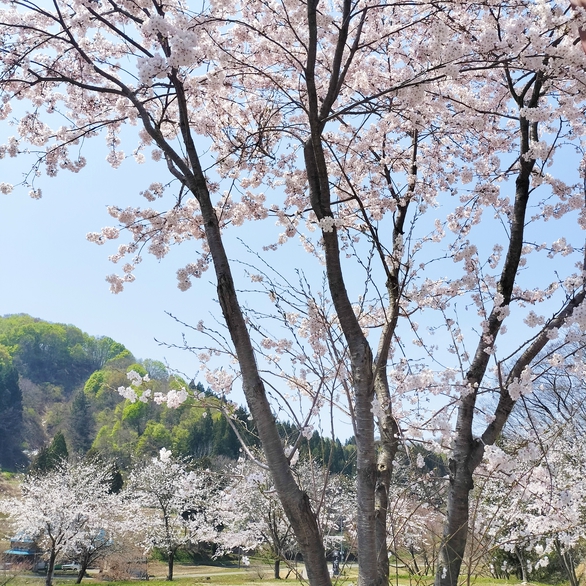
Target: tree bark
x=361, y=364
x=82, y=570
x=295, y=502
x=567, y=563
x=170, y=566
x=51, y=567
x=467, y=452
x=387, y=425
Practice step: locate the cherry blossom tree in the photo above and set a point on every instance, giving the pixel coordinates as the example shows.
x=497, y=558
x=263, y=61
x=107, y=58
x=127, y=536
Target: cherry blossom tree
x=530, y=498
x=253, y=517
x=399, y=143
x=64, y=509
x=175, y=506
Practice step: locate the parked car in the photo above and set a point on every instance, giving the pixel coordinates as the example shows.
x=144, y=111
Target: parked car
x=72, y=567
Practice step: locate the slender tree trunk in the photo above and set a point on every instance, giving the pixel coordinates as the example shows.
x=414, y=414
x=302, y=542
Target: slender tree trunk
x=568, y=564
x=277, y=568
x=170, y=566
x=522, y=564
x=467, y=452
x=387, y=425
x=84, y=563
x=387, y=450
x=51, y=567
x=295, y=502
x=361, y=366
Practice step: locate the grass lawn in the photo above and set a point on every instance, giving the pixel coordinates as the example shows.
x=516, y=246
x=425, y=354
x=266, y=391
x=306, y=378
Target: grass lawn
x=222, y=576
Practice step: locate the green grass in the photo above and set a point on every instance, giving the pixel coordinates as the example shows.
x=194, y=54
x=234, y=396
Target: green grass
x=258, y=574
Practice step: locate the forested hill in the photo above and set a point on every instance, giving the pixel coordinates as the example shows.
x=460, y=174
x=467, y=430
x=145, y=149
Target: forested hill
x=58, y=395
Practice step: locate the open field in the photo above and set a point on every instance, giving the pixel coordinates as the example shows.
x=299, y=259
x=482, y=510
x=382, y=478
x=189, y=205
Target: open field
x=256, y=573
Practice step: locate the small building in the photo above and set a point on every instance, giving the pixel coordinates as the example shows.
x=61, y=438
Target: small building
x=24, y=552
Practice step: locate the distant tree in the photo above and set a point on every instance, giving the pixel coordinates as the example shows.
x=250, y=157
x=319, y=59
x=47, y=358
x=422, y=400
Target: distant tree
x=117, y=483
x=64, y=509
x=156, y=369
x=11, y=412
x=200, y=436
x=529, y=500
x=155, y=437
x=225, y=442
x=100, y=350
x=253, y=517
x=52, y=456
x=53, y=353
x=177, y=505
x=81, y=424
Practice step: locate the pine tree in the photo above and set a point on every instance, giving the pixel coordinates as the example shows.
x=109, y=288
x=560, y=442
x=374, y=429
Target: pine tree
x=80, y=426
x=11, y=455
x=52, y=455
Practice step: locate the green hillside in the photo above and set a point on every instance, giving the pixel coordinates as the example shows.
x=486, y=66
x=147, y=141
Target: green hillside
x=59, y=384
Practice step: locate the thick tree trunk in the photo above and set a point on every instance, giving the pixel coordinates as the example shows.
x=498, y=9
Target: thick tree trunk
x=455, y=532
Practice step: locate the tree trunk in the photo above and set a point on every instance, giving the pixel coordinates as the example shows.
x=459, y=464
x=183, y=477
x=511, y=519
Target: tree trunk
x=295, y=502
x=361, y=368
x=387, y=451
x=51, y=568
x=170, y=566
x=455, y=532
x=568, y=564
x=467, y=452
x=522, y=564
x=84, y=562
x=277, y=567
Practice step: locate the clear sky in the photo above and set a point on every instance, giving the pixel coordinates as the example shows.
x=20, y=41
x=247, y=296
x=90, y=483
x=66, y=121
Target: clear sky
x=49, y=270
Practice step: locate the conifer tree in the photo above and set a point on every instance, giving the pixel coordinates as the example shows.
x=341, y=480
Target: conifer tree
x=11, y=454
x=51, y=456
x=80, y=423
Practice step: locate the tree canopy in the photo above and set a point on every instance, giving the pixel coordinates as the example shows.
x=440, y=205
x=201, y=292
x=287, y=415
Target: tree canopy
x=427, y=158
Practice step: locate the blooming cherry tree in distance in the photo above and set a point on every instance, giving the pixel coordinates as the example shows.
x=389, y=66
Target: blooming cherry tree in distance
x=530, y=498
x=427, y=157
x=253, y=517
x=175, y=506
x=64, y=509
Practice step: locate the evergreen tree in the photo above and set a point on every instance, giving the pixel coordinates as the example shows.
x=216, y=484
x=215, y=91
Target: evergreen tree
x=11, y=454
x=81, y=425
x=200, y=436
x=52, y=455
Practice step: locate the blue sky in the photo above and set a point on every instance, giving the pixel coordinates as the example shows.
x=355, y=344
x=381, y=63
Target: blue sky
x=49, y=270
x=52, y=272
